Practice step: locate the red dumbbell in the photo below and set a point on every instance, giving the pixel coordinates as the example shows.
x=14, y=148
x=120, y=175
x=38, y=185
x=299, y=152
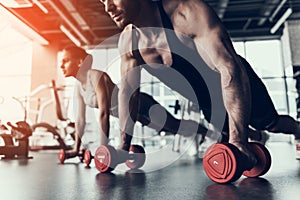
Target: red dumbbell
x=137, y=157
x=87, y=157
x=224, y=163
x=63, y=155
x=264, y=161
x=106, y=158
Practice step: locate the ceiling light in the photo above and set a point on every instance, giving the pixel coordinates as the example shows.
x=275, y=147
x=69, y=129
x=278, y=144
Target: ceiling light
x=36, y=2
x=23, y=28
x=16, y=4
x=282, y=19
x=70, y=35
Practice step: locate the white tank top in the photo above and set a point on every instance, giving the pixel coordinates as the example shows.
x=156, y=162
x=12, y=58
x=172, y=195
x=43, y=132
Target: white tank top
x=90, y=98
x=88, y=94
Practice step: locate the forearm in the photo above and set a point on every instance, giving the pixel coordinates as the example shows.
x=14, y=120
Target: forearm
x=128, y=99
x=126, y=122
x=237, y=101
x=79, y=132
x=104, y=128
x=128, y=104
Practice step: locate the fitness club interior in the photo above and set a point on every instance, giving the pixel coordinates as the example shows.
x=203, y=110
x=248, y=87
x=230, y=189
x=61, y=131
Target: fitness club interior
x=38, y=109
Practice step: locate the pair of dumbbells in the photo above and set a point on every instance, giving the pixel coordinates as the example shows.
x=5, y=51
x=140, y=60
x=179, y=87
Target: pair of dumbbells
x=106, y=157
x=84, y=155
x=224, y=163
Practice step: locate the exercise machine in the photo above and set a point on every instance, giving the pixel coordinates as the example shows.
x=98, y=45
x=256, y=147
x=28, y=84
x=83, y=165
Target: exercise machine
x=40, y=128
x=16, y=144
x=67, y=129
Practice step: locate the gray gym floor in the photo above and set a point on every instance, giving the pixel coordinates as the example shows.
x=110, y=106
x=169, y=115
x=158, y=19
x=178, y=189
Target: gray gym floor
x=181, y=178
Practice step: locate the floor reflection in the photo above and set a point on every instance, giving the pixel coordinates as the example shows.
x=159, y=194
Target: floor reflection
x=113, y=186
x=248, y=188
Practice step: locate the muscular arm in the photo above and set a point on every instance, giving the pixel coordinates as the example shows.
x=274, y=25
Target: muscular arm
x=214, y=46
x=129, y=89
x=104, y=101
x=235, y=84
x=128, y=99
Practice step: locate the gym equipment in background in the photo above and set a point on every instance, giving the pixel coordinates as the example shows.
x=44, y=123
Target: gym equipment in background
x=42, y=130
x=16, y=145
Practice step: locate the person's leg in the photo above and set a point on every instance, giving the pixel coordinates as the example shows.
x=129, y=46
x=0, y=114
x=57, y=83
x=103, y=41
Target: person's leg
x=263, y=114
x=286, y=125
x=155, y=116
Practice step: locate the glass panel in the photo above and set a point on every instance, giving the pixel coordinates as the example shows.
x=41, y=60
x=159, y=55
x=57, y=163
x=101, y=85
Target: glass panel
x=265, y=57
x=156, y=90
x=99, y=57
x=276, y=89
x=239, y=48
x=168, y=91
x=15, y=70
x=10, y=109
x=167, y=104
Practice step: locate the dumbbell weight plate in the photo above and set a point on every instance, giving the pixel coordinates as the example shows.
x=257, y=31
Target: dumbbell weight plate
x=221, y=163
x=138, y=157
x=62, y=156
x=87, y=157
x=263, y=160
x=105, y=158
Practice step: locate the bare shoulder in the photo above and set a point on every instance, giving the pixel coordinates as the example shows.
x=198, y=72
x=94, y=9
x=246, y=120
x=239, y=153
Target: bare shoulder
x=95, y=75
x=173, y=6
x=192, y=17
x=100, y=77
x=95, y=72
x=125, y=40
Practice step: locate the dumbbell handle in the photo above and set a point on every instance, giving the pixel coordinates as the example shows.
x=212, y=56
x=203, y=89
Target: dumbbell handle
x=131, y=156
